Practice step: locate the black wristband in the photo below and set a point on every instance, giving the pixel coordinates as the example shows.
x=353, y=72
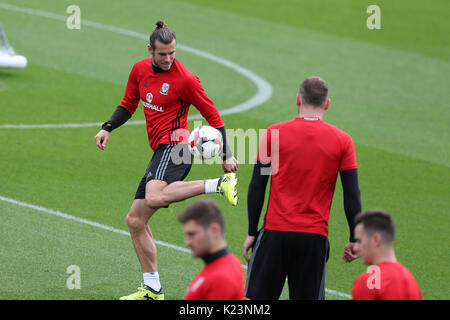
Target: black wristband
x=107, y=126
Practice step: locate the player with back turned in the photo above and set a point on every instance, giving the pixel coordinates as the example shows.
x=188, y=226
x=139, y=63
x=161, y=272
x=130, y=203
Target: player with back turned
x=304, y=157
x=167, y=89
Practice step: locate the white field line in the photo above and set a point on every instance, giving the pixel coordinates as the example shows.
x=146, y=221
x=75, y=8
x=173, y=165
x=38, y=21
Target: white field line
x=264, y=88
x=123, y=232
x=85, y=221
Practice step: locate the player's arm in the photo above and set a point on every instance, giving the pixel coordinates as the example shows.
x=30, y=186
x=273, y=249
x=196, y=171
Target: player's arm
x=227, y=153
x=255, y=202
x=118, y=118
x=352, y=206
x=196, y=95
x=123, y=112
x=352, y=198
x=230, y=164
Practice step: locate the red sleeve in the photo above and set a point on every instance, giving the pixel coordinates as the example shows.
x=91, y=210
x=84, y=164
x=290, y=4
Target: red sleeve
x=348, y=159
x=131, y=99
x=196, y=96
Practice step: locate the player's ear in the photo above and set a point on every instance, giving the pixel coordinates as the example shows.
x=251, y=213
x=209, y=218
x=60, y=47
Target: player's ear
x=215, y=229
x=150, y=49
x=327, y=104
x=299, y=100
x=377, y=239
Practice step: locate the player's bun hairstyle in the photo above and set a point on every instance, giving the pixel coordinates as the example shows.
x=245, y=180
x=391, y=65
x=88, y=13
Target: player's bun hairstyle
x=162, y=33
x=377, y=220
x=204, y=212
x=160, y=24
x=314, y=92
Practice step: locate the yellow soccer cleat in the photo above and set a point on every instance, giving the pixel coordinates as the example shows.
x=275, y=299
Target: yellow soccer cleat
x=227, y=187
x=144, y=293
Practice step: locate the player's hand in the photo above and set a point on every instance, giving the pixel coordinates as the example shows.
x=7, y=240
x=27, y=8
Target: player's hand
x=248, y=244
x=230, y=165
x=101, y=139
x=350, y=253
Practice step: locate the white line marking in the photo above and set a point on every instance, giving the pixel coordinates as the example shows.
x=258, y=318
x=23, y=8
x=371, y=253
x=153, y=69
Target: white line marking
x=85, y=221
x=49, y=126
x=263, y=94
x=123, y=232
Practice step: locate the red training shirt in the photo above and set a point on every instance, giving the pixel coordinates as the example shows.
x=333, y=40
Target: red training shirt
x=387, y=281
x=222, y=279
x=306, y=156
x=166, y=97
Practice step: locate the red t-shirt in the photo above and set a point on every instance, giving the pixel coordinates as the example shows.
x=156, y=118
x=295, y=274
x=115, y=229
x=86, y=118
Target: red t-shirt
x=222, y=279
x=166, y=97
x=306, y=156
x=386, y=281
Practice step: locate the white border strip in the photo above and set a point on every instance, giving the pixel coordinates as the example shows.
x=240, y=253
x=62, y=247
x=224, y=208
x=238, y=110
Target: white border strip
x=264, y=93
x=123, y=232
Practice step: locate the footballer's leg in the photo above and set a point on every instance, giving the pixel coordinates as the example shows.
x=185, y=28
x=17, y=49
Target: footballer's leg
x=143, y=241
x=161, y=194
x=144, y=245
x=165, y=179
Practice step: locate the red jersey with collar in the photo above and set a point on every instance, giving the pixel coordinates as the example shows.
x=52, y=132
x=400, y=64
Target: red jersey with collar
x=166, y=97
x=386, y=281
x=305, y=156
x=222, y=279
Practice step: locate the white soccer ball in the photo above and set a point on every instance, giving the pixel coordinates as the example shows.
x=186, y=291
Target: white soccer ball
x=205, y=142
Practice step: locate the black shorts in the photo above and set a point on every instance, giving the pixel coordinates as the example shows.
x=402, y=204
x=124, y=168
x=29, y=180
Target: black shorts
x=301, y=257
x=169, y=163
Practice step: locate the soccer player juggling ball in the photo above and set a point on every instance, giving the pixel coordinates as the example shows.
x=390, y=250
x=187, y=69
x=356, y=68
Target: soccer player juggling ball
x=167, y=89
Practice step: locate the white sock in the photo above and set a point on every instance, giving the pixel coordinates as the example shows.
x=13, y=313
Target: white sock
x=211, y=185
x=151, y=279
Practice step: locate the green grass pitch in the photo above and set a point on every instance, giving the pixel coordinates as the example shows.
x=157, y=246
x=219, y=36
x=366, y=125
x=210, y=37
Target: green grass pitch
x=388, y=89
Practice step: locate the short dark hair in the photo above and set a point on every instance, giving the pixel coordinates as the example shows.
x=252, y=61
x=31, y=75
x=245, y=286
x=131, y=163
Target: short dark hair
x=377, y=220
x=162, y=33
x=204, y=212
x=314, y=91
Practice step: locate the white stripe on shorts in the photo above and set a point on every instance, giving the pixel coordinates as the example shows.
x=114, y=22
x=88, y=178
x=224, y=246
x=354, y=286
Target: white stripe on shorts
x=163, y=163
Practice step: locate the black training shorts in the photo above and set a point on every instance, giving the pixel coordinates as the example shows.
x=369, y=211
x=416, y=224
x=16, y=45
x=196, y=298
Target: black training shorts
x=170, y=163
x=301, y=257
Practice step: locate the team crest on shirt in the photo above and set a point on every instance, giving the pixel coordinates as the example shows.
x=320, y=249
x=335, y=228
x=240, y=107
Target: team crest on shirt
x=149, y=97
x=165, y=88
x=148, y=103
